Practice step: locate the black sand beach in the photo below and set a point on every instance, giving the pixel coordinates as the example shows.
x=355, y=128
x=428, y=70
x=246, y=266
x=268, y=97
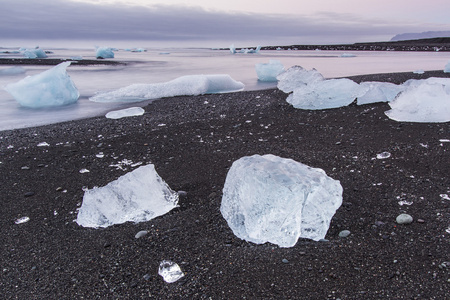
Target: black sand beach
x=192, y=141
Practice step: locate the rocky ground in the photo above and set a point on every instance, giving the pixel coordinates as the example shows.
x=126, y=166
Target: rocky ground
x=192, y=141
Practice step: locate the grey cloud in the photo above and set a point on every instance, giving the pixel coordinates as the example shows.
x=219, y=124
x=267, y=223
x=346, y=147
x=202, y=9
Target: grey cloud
x=58, y=19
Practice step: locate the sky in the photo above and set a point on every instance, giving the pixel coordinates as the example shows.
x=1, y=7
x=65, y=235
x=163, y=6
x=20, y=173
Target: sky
x=216, y=23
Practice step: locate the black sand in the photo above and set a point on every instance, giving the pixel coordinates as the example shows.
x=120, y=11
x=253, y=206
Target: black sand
x=51, y=257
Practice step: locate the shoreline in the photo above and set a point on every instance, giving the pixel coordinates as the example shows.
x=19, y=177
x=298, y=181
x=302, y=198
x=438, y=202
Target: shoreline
x=192, y=141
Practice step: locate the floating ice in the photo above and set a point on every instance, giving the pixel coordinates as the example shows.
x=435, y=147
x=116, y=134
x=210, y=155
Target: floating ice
x=269, y=71
x=273, y=199
x=347, y=55
x=104, y=52
x=34, y=53
x=185, y=85
x=296, y=77
x=170, y=271
x=422, y=101
x=138, y=196
x=379, y=92
x=325, y=94
x=447, y=67
x=53, y=87
x=127, y=112
x=12, y=71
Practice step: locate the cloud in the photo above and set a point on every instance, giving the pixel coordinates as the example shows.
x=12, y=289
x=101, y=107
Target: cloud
x=58, y=19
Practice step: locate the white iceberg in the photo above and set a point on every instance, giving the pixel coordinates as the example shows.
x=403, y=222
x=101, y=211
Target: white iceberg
x=34, y=53
x=447, y=67
x=269, y=71
x=138, y=196
x=332, y=93
x=53, y=87
x=379, y=92
x=186, y=85
x=278, y=200
x=127, y=112
x=104, y=52
x=296, y=77
x=423, y=101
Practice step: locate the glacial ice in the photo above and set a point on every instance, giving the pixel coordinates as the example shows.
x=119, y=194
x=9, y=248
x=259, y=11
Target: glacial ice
x=422, y=101
x=185, y=85
x=325, y=94
x=447, y=67
x=269, y=71
x=138, y=196
x=34, y=53
x=296, y=77
x=53, y=87
x=12, y=71
x=379, y=92
x=104, y=52
x=127, y=112
x=272, y=199
x=170, y=271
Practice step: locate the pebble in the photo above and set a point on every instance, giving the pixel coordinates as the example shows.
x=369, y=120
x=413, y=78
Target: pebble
x=28, y=194
x=284, y=260
x=344, y=233
x=141, y=234
x=404, y=219
x=420, y=221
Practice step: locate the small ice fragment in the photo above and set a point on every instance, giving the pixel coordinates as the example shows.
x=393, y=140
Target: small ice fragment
x=84, y=171
x=127, y=112
x=403, y=202
x=348, y=55
x=383, y=155
x=100, y=155
x=444, y=140
x=419, y=71
x=12, y=71
x=448, y=229
x=22, y=220
x=444, y=196
x=43, y=144
x=170, y=271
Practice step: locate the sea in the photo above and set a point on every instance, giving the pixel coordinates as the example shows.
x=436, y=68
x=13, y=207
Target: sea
x=157, y=65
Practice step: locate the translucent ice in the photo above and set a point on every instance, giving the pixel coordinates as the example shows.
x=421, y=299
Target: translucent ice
x=127, y=112
x=104, y=52
x=137, y=196
x=53, y=87
x=379, y=92
x=12, y=71
x=296, y=77
x=34, y=53
x=185, y=85
x=269, y=71
x=325, y=94
x=422, y=101
x=170, y=271
x=278, y=200
x=447, y=67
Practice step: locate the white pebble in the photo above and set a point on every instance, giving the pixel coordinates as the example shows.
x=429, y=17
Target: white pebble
x=404, y=219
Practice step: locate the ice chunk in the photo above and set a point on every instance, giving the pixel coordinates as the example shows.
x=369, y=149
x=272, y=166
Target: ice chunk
x=53, y=87
x=278, y=200
x=379, y=92
x=232, y=49
x=138, y=196
x=127, y=112
x=34, y=53
x=185, y=85
x=170, y=271
x=22, y=220
x=347, y=55
x=420, y=71
x=423, y=101
x=325, y=94
x=104, y=52
x=447, y=67
x=296, y=77
x=12, y=71
x=269, y=71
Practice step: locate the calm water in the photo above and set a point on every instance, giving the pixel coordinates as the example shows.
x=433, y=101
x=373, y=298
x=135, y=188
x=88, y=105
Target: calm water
x=160, y=65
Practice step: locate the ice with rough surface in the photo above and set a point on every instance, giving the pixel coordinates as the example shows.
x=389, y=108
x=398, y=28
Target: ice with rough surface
x=138, y=196
x=379, y=92
x=127, y=112
x=278, y=200
x=104, y=52
x=332, y=93
x=447, y=67
x=423, y=101
x=296, y=77
x=189, y=85
x=170, y=271
x=269, y=71
x=53, y=87
x=34, y=53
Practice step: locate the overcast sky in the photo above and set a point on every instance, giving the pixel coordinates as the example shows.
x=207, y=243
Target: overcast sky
x=242, y=22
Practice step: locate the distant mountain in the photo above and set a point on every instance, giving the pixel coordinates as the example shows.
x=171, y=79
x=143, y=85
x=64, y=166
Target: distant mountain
x=422, y=35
